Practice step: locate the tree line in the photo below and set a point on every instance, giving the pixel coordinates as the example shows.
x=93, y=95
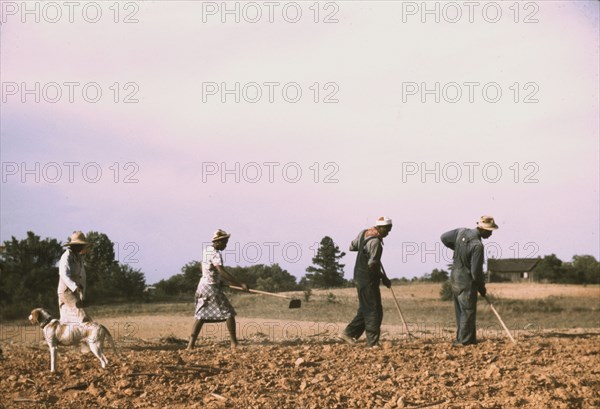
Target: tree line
x=582, y=269
x=326, y=272
x=29, y=274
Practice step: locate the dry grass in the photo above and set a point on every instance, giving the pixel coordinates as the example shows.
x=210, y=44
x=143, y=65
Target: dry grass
x=548, y=304
x=523, y=307
x=520, y=291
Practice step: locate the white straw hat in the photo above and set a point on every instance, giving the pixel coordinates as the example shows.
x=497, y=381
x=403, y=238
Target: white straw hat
x=384, y=221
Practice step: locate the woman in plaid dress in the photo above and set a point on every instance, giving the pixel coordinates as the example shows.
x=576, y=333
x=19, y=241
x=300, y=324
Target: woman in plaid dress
x=211, y=303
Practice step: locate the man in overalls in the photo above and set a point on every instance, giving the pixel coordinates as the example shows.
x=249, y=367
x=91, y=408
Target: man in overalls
x=467, y=277
x=367, y=276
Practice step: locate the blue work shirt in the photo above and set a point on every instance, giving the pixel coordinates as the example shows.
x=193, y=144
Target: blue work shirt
x=467, y=268
x=367, y=268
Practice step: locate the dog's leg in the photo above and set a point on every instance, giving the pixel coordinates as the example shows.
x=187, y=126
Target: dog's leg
x=101, y=336
x=112, y=342
x=96, y=347
x=105, y=359
x=53, y=352
x=102, y=333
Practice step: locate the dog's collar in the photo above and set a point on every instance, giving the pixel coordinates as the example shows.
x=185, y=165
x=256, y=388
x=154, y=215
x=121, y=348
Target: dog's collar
x=45, y=322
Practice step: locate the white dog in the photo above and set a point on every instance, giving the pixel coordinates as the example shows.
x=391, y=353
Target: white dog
x=55, y=333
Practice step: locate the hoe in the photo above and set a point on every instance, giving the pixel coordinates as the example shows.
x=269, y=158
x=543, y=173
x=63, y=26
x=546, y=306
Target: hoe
x=294, y=303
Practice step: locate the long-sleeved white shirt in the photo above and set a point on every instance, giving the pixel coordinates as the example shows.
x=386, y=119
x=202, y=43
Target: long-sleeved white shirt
x=71, y=272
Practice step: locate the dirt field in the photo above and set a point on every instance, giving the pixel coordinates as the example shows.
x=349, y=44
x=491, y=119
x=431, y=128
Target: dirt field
x=549, y=370
x=293, y=362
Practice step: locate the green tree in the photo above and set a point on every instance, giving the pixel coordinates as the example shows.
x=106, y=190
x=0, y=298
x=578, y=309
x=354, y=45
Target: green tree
x=273, y=278
x=127, y=282
x=265, y=277
x=584, y=269
x=259, y=276
x=107, y=280
x=436, y=276
x=550, y=269
x=192, y=272
x=327, y=271
x=28, y=275
x=181, y=284
x=100, y=264
x=439, y=276
x=173, y=286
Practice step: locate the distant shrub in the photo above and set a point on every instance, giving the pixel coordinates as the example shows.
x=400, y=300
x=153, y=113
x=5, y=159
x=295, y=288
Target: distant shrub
x=331, y=298
x=307, y=294
x=446, y=291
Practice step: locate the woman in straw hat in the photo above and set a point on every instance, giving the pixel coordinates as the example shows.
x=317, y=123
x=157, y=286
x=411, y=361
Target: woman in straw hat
x=72, y=280
x=466, y=277
x=211, y=303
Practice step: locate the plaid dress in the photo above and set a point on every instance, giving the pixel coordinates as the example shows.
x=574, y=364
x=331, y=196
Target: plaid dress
x=211, y=303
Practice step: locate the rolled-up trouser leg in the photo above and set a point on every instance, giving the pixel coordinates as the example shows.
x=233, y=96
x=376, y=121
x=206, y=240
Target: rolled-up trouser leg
x=465, y=304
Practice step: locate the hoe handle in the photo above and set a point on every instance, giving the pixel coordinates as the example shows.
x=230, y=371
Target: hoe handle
x=500, y=319
x=260, y=292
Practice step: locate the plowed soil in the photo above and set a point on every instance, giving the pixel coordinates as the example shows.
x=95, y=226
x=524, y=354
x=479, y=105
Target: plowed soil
x=543, y=370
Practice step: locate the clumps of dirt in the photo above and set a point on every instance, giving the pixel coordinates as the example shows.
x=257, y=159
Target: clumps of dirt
x=542, y=371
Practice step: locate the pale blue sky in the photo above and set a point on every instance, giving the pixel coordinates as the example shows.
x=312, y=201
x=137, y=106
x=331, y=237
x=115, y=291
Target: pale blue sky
x=373, y=143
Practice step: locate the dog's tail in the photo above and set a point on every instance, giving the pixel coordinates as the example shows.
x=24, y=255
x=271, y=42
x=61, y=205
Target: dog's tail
x=112, y=341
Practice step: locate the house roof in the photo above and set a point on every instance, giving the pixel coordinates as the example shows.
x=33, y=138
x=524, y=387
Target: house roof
x=512, y=265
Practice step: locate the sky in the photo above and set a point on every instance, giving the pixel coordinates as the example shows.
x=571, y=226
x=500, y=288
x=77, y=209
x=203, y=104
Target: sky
x=159, y=122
